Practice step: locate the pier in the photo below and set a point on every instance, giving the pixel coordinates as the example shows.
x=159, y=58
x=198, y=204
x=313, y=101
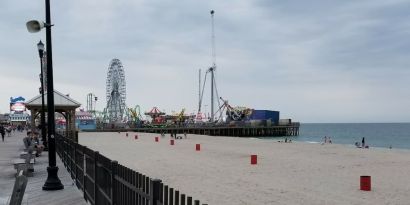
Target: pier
x=265, y=131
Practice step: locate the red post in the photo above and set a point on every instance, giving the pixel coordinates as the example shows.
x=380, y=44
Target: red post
x=136, y=137
x=198, y=147
x=126, y=134
x=365, y=183
x=156, y=139
x=171, y=142
x=254, y=159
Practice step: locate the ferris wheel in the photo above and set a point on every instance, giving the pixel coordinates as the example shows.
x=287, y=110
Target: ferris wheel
x=115, y=92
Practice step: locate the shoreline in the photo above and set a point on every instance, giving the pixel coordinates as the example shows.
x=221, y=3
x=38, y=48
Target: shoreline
x=341, y=144
x=319, y=142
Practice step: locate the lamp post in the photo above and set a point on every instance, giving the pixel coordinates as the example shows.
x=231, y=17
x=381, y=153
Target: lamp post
x=40, y=47
x=52, y=182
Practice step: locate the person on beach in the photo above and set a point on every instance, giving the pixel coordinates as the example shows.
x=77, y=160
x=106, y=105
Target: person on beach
x=330, y=141
x=2, y=132
x=363, y=145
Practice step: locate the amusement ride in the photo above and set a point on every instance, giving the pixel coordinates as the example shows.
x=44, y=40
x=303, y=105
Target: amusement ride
x=116, y=112
x=115, y=93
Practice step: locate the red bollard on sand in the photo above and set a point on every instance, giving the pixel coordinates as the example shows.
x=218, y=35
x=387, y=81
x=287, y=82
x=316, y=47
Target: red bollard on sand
x=126, y=134
x=136, y=137
x=198, y=147
x=171, y=142
x=254, y=159
x=156, y=139
x=365, y=183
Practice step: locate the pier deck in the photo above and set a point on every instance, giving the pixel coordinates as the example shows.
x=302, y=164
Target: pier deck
x=279, y=130
x=34, y=194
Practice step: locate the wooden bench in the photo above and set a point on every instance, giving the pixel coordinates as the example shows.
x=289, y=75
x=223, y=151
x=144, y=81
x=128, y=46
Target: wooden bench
x=18, y=190
x=23, y=155
x=18, y=162
x=25, y=165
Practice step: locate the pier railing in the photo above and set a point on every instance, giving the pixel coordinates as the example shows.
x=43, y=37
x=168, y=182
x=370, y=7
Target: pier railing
x=72, y=134
x=106, y=182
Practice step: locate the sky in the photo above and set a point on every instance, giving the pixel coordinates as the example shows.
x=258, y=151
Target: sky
x=314, y=61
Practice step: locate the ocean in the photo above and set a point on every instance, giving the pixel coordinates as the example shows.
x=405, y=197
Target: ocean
x=383, y=135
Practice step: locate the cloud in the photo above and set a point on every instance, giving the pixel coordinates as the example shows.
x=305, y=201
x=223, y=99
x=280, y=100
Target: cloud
x=315, y=61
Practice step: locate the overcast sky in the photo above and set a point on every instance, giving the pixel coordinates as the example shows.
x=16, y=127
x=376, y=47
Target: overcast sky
x=314, y=61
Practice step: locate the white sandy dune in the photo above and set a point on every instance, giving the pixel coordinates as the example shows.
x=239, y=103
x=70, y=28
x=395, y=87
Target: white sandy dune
x=286, y=173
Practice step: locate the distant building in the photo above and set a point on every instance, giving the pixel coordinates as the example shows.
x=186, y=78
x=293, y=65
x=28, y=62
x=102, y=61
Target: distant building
x=19, y=118
x=4, y=118
x=85, y=120
x=18, y=113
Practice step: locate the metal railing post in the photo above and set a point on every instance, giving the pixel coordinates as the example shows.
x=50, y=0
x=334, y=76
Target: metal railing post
x=114, y=165
x=155, y=191
x=96, y=153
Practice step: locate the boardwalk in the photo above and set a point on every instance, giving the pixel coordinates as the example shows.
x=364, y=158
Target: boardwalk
x=34, y=194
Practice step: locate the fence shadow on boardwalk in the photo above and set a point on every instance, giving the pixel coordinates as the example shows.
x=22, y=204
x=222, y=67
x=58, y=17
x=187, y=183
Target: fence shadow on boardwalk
x=105, y=182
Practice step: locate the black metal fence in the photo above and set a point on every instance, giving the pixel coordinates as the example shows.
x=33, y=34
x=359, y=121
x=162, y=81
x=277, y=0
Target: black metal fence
x=105, y=182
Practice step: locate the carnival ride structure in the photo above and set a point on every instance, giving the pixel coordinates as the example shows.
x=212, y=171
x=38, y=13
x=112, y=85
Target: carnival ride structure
x=115, y=110
x=181, y=116
x=233, y=113
x=134, y=114
x=156, y=115
x=211, y=70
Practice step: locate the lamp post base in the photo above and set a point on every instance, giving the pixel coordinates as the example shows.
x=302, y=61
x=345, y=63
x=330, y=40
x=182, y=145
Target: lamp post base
x=52, y=182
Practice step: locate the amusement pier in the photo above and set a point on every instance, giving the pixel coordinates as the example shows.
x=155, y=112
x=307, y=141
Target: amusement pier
x=291, y=129
x=280, y=130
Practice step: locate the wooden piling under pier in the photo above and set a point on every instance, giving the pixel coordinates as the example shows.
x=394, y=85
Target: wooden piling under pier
x=280, y=130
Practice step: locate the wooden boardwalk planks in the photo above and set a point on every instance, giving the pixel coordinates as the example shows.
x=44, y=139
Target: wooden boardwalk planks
x=34, y=194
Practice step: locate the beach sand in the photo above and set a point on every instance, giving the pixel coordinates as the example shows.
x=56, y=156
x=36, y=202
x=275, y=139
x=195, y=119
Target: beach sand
x=286, y=173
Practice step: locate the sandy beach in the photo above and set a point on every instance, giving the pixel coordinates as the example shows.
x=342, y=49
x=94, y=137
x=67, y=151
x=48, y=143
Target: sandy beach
x=286, y=173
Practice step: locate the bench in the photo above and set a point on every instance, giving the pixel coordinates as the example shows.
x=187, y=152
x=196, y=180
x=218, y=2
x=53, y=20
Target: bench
x=18, y=162
x=25, y=165
x=19, y=188
x=23, y=155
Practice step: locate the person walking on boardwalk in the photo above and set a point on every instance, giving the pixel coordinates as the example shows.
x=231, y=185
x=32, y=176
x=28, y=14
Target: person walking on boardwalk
x=2, y=132
x=8, y=130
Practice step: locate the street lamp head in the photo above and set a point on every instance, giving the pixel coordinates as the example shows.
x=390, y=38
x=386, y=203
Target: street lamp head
x=40, y=47
x=34, y=26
